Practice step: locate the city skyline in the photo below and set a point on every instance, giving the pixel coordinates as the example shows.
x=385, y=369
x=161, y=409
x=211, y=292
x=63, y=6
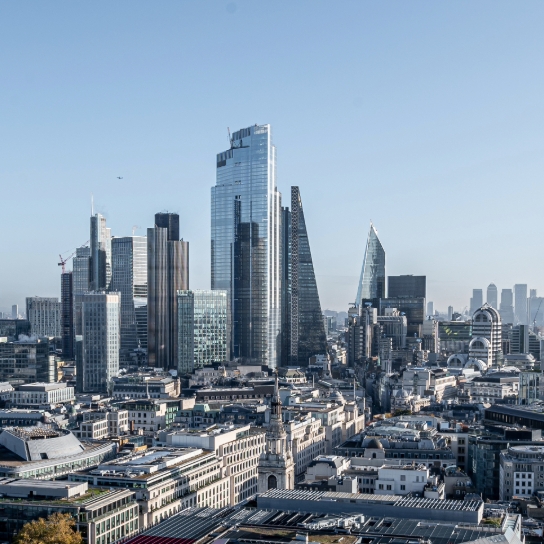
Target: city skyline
x=465, y=123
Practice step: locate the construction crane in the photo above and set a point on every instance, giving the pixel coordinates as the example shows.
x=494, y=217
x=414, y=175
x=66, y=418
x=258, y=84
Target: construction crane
x=64, y=260
x=536, y=313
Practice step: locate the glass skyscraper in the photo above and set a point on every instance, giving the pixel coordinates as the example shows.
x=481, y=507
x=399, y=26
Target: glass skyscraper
x=129, y=277
x=372, y=280
x=100, y=269
x=167, y=273
x=246, y=244
x=303, y=332
x=203, y=328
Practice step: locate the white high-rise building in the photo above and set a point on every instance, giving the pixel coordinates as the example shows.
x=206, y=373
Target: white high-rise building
x=98, y=358
x=520, y=303
x=44, y=315
x=486, y=343
x=246, y=243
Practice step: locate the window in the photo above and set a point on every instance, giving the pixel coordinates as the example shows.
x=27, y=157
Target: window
x=388, y=488
x=403, y=478
x=403, y=488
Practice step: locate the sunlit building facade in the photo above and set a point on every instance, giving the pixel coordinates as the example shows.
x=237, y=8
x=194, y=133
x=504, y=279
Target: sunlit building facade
x=129, y=277
x=203, y=328
x=372, y=280
x=246, y=243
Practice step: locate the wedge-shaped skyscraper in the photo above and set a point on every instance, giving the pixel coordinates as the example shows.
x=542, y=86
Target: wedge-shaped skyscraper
x=303, y=326
x=372, y=281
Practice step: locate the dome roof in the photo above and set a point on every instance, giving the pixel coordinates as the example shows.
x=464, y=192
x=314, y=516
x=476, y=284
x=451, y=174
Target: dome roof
x=486, y=313
x=336, y=396
x=375, y=444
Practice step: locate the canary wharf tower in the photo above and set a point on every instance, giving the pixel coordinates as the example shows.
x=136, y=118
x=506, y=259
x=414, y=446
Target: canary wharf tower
x=246, y=243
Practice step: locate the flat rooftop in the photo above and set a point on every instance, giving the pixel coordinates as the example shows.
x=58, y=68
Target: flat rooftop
x=254, y=526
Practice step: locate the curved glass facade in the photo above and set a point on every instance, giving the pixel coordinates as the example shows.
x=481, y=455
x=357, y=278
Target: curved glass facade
x=245, y=243
x=372, y=280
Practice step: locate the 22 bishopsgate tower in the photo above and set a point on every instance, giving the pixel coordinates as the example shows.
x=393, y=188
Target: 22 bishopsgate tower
x=246, y=243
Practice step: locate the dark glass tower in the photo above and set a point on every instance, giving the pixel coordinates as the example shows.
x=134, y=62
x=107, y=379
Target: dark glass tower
x=167, y=273
x=303, y=320
x=372, y=281
x=67, y=314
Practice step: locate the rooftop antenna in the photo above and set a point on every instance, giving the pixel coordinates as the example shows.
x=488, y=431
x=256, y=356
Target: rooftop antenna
x=230, y=138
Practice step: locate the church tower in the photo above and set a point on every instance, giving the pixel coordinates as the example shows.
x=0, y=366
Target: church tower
x=276, y=466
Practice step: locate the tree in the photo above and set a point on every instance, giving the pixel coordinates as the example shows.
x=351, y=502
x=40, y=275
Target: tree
x=56, y=529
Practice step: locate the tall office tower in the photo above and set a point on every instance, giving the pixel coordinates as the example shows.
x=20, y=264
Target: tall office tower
x=67, y=314
x=520, y=303
x=44, y=315
x=98, y=359
x=100, y=264
x=305, y=328
x=431, y=337
x=450, y=312
x=407, y=286
x=15, y=312
x=203, y=329
x=246, y=244
x=81, y=270
x=430, y=308
x=167, y=273
x=129, y=277
x=493, y=296
x=506, y=308
x=486, y=342
x=476, y=300
x=372, y=280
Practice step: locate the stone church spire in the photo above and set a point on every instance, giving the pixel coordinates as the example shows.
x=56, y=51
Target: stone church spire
x=276, y=466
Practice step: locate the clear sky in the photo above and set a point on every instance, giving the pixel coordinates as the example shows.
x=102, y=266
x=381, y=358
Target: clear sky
x=426, y=117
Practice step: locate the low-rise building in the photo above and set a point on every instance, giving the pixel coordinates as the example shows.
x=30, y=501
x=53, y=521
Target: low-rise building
x=238, y=448
x=401, y=480
x=151, y=415
x=37, y=395
x=492, y=387
x=100, y=515
x=145, y=386
x=521, y=471
x=164, y=480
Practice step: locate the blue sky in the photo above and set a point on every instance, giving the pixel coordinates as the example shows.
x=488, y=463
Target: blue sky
x=424, y=116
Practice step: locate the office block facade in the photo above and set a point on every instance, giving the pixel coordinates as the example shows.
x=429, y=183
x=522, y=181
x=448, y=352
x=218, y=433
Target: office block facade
x=506, y=307
x=407, y=286
x=27, y=361
x=246, y=243
x=67, y=314
x=44, y=314
x=98, y=357
x=100, y=261
x=203, y=328
x=167, y=273
x=129, y=277
x=520, y=303
x=492, y=296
